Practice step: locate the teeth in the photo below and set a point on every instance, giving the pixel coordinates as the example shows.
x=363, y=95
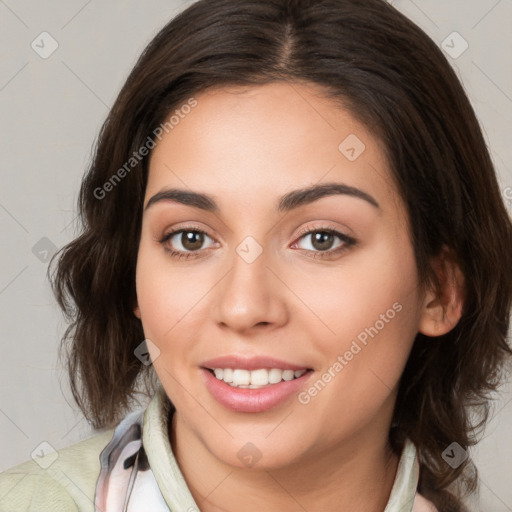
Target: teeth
x=256, y=378
x=241, y=377
x=275, y=375
x=288, y=375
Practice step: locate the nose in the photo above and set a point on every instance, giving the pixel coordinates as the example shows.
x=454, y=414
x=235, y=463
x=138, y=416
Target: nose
x=252, y=295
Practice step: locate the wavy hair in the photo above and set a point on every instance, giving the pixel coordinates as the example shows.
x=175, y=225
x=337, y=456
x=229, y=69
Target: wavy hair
x=375, y=62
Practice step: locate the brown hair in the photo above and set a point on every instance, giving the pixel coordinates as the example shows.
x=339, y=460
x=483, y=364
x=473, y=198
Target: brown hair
x=392, y=77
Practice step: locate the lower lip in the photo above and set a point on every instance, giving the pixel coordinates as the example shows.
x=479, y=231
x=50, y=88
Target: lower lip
x=253, y=400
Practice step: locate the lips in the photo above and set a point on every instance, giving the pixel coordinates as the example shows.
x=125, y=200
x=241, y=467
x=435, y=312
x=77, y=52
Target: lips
x=253, y=400
x=250, y=363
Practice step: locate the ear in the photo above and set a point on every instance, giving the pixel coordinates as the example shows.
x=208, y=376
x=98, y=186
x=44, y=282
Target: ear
x=136, y=311
x=442, y=307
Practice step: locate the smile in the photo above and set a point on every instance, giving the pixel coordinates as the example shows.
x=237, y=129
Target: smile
x=254, y=397
x=255, y=379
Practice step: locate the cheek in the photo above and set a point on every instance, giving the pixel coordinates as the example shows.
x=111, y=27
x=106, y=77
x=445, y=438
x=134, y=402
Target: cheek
x=158, y=305
x=354, y=295
x=358, y=381
x=172, y=302
x=374, y=314
x=384, y=309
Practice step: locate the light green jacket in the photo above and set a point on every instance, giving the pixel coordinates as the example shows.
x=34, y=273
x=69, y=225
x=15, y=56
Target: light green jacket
x=65, y=481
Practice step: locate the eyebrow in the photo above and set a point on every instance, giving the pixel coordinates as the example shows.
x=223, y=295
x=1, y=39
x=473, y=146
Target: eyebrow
x=289, y=201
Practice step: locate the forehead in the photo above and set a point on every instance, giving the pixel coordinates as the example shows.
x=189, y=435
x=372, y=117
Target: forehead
x=262, y=141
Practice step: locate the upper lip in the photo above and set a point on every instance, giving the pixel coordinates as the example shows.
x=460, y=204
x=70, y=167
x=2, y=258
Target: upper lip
x=250, y=363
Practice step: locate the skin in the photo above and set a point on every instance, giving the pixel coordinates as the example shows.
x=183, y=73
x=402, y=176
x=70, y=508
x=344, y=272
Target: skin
x=247, y=147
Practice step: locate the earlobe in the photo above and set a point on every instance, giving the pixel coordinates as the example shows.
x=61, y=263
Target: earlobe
x=442, y=307
x=136, y=311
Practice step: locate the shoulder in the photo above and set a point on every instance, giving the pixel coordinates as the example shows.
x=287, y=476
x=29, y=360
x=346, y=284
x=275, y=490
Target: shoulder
x=64, y=480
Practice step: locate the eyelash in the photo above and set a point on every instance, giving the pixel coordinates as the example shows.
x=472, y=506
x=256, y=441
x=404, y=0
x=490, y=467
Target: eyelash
x=348, y=242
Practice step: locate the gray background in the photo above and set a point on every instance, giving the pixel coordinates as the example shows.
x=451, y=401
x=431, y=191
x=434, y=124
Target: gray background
x=51, y=110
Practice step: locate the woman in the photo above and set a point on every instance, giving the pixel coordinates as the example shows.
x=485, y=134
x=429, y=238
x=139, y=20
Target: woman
x=292, y=214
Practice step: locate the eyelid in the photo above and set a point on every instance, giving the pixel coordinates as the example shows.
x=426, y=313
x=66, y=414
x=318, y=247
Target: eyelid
x=175, y=230
x=313, y=227
x=348, y=241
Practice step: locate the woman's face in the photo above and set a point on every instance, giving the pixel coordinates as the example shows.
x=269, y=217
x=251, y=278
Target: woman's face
x=342, y=301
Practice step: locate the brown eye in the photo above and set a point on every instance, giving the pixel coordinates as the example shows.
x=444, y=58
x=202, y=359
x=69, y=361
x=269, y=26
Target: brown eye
x=322, y=240
x=191, y=240
x=183, y=243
